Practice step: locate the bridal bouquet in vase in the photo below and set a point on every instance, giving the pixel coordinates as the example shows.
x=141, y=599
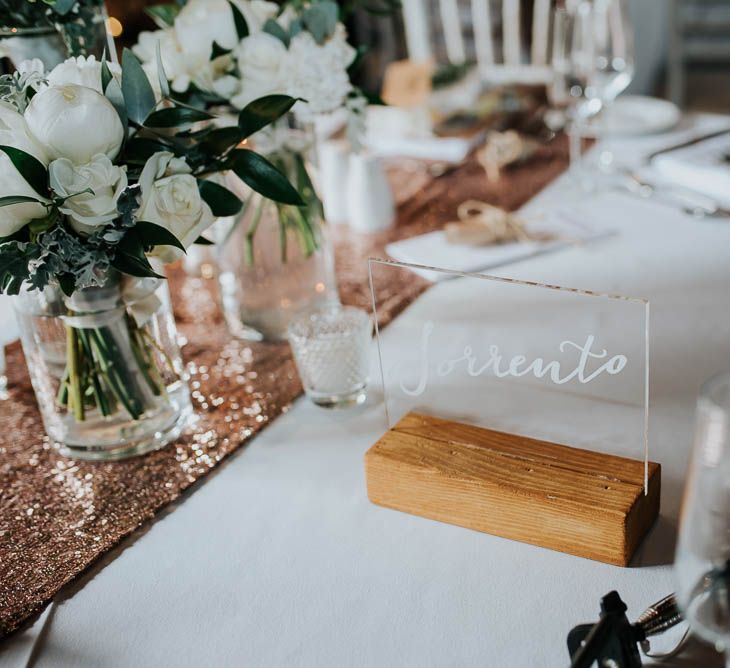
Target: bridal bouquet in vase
x=101, y=181
x=273, y=259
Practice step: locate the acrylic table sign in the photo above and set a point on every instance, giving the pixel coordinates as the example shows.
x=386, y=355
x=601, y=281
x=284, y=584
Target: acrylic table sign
x=518, y=409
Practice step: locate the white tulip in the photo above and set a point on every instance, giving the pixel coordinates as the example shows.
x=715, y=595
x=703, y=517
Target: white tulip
x=74, y=122
x=14, y=133
x=82, y=72
x=171, y=199
x=88, y=210
x=263, y=63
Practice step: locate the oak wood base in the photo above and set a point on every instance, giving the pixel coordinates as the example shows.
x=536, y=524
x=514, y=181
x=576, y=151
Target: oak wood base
x=585, y=503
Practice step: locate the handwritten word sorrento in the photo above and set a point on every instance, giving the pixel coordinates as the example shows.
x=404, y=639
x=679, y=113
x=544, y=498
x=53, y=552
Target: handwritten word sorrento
x=517, y=365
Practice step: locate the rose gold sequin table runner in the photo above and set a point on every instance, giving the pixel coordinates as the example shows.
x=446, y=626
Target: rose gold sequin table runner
x=58, y=516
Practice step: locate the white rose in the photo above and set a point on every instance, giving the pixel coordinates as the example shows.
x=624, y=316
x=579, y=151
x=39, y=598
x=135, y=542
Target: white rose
x=263, y=63
x=14, y=133
x=88, y=210
x=82, y=72
x=171, y=199
x=318, y=73
x=258, y=12
x=74, y=122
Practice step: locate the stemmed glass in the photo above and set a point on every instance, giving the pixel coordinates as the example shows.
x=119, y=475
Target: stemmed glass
x=592, y=63
x=702, y=563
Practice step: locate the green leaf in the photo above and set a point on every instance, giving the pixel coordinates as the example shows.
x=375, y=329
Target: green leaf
x=259, y=113
x=161, y=76
x=113, y=93
x=130, y=257
x=321, y=20
x=222, y=202
x=106, y=75
x=260, y=175
x=67, y=283
x=14, y=258
x=154, y=235
x=174, y=116
x=219, y=140
x=140, y=149
x=17, y=199
x=218, y=51
x=63, y=7
x=295, y=26
x=31, y=169
x=139, y=98
x=239, y=21
x=274, y=29
x=202, y=241
x=163, y=15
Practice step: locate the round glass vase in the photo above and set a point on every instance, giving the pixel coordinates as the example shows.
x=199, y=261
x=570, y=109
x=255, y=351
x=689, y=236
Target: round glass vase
x=105, y=367
x=276, y=261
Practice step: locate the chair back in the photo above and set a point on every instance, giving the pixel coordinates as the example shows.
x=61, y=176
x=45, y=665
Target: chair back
x=486, y=32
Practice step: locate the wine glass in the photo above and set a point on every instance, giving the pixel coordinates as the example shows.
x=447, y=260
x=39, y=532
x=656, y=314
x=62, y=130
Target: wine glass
x=592, y=63
x=702, y=563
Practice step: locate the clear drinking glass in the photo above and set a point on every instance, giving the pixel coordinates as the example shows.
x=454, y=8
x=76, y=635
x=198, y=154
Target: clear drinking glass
x=593, y=63
x=702, y=563
x=332, y=350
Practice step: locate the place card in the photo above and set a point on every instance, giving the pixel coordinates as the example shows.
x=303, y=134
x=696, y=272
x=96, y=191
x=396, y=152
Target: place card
x=561, y=372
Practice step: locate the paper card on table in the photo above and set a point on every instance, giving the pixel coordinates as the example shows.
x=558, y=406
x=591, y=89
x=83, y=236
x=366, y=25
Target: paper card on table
x=557, y=364
x=434, y=249
x=407, y=83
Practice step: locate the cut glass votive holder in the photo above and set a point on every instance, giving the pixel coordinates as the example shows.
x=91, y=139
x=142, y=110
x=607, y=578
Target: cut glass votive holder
x=332, y=353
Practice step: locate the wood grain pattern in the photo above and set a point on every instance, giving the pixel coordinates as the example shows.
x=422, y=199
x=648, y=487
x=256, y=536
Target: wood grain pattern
x=585, y=503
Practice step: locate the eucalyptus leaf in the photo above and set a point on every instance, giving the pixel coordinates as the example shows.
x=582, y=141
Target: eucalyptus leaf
x=222, y=202
x=174, y=116
x=320, y=19
x=139, y=97
x=260, y=175
x=259, y=113
x=113, y=93
x=63, y=7
x=274, y=29
x=239, y=21
x=151, y=234
x=163, y=15
x=31, y=169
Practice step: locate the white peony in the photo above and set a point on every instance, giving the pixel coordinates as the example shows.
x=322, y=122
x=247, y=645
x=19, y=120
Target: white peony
x=88, y=210
x=171, y=199
x=263, y=63
x=180, y=65
x=202, y=22
x=14, y=133
x=74, y=122
x=318, y=73
x=82, y=72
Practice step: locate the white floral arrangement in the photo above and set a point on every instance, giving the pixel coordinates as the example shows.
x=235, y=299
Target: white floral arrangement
x=241, y=50
x=97, y=173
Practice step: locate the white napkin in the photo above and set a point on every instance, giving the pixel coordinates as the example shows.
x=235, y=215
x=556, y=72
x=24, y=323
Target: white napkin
x=701, y=167
x=396, y=132
x=434, y=250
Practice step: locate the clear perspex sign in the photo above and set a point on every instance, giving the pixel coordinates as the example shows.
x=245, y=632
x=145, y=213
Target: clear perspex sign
x=557, y=364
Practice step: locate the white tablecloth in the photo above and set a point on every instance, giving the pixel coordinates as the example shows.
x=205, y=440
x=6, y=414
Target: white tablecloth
x=278, y=558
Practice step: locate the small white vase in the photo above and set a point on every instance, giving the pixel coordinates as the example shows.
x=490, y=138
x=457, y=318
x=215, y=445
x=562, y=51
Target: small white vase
x=334, y=157
x=369, y=195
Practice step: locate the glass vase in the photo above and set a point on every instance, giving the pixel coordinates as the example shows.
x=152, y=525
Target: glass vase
x=276, y=261
x=105, y=367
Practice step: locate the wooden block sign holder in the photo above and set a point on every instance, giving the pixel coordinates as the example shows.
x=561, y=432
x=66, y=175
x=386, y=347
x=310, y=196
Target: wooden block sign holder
x=584, y=503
